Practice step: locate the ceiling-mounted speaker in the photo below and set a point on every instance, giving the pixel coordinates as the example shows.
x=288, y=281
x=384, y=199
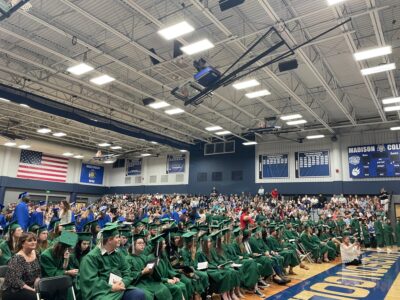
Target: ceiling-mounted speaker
x=228, y=4
x=288, y=65
x=177, y=49
x=334, y=138
x=148, y=101
x=154, y=60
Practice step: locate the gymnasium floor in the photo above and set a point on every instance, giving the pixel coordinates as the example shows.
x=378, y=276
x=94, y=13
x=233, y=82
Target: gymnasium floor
x=377, y=278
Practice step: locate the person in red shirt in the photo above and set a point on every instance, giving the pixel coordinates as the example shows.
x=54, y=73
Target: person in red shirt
x=274, y=193
x=245, y=218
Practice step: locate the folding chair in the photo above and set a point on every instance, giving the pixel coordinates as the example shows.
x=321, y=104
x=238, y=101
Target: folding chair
x=54, y=288
x=305, y=255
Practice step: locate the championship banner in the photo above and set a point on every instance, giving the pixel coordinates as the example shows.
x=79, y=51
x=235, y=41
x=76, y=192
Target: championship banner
x=92, y=174
x=133, y=167
x=374, y=161
x=275, y=166
x=176, y=163
x=312, y=163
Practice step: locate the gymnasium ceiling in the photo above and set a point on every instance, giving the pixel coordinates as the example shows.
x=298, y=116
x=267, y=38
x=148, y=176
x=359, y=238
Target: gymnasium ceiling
x=115, y=37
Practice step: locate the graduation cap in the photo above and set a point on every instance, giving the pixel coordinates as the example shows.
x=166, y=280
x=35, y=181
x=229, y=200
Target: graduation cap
x=214, y=235
x=42, y=203
x=103, y=208
x=11, y=226
x=110, y=231
x=42, y=229
x=68, y=226
x=126, y=233
x=54, y=223
x=23, y=195
x=34, y=228
x=88, y=226
x=156, y=242
x=236, y=231
x=189, y=236
x=68, y=238
x=84, y=236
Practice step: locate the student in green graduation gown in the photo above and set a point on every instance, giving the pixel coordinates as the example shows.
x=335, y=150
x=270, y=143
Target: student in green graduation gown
x=104, y=271
x=317, y=250
x=324, y=237
x=220, y=278
x=8, y=247
x=188, y=253
x=398, y=232
x=178, y=285
x=366, y=240
x=249, y=273
x=380, y=241
x=83, y=246
x=388, y=235
x=126, y=236
x=142, y=273
x=42, y=241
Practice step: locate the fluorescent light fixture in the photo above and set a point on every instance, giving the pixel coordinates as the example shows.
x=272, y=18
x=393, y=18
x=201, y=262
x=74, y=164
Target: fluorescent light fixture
x=10, y=144
x=4, y=99
x=213, y=128
x=78, y=156
x=59, y=134
x=258, y=94
x=103, y=79
x=290, y=117
x=115, y=147
x=105, y=144
x=174, y=111
x=24, y=146
x=378, y=69
x=197, y=47
x=376, y=52
x=225, y=132
x=334, y=2
x=392, y=108
x=176, y=30
x=395, y=128
x=296, y=122
x=80, y=69
x=313, y=137
x=391, y=100
x=157, y=105
x=145, y=154
x=68, y=154
x=245, y=84
x=109, y=161
x=154, y=143
x=250, y=143
x=24, y=105
x=183, y=151
x=43, y=130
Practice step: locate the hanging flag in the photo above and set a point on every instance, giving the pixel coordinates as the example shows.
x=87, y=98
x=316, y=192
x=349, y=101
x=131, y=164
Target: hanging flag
x=39, y=166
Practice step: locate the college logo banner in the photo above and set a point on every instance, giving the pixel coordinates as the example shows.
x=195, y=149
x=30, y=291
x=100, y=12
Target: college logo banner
x=176, y=163
x=374, y=161
x=312, y=163
x=92, y=174
x=133, y=167
x=275, y=166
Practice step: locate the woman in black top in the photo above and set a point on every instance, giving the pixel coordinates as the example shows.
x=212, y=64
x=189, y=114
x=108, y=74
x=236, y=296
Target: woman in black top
x=23, y=270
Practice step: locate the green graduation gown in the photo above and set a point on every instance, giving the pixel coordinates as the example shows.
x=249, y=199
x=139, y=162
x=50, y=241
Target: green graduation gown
x=152, y=288
x=398, y=233
x=379, y=233
x=5, y=253
x=324, y=247
x=95, y=271
x=202, y=283
x=266, y=263
x=311, y=246
x=289, y=255
x=388, y=234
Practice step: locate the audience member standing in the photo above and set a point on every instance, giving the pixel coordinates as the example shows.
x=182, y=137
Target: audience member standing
x=65, y=212
x=21, y=213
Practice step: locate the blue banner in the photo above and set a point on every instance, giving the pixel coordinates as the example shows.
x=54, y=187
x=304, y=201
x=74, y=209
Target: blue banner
x=374, y=161
x=133, y=167
x=312, y=163
x=176, y=163
x=275, y=166
x=92, y=174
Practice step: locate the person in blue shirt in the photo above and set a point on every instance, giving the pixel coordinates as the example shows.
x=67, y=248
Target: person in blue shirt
x=3, y=221
x=37, y=217
x=103, y=218
x=21, y=212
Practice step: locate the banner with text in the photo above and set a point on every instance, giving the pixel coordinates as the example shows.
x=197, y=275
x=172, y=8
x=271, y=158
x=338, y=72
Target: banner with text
x=133, y=167
x=275, y=166
x=176, y=163
x=312, y=163
x=92, y=174
x=374, y=161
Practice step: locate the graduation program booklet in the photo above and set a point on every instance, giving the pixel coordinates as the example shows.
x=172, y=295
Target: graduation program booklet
x=235, y=265
x=202, y=265
x=113, y=279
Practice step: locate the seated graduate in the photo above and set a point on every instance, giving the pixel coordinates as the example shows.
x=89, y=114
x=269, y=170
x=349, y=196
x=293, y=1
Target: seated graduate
x=317, y=250
x=178, y=285
x=9, y=247
x=126, y=236
x=104, y=271
x=142, y=268
x=93, y=227
x=23, y=270
x=83, y=246
x=42, y=241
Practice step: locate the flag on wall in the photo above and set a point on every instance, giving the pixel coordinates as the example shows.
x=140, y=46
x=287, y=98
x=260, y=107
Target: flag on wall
x=39, y=166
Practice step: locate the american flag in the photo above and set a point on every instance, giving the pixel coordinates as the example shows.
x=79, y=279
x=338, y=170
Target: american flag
x=40, y=166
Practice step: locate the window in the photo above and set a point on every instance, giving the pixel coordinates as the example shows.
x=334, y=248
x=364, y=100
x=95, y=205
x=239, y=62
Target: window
x=237, y=175
x=216, y=176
